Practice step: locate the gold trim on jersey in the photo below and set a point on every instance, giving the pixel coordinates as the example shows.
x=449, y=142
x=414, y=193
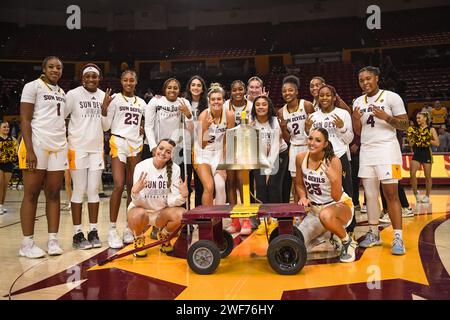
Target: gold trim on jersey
x=42, y=77
x=222, y=117
x=234, y=108
x=135, y=99
x=296, y=110
x=307, y=162
x=378, y=98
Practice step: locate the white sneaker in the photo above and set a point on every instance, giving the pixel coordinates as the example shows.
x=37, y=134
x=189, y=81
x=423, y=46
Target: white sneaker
x=425, y=199
x=363, y=208
x=30, y=250
x=53, y=248
x=128, y=236
x=407, y=212
x=385, y=218
x=2, y=211
x=114, y=240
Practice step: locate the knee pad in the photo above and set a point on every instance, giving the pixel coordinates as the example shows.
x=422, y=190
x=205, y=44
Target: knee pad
x=94, y=180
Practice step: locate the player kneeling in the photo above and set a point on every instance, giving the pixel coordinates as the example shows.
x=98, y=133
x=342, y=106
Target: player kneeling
x=157, y=195
x=319, y=186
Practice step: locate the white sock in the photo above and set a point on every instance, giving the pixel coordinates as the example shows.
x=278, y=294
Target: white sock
x=346, y=238
x=77, y=228
x=374, y=229
x=398, y=232
x=52, y=236
x=28, y=239
x=113, y=225
x=92, y=226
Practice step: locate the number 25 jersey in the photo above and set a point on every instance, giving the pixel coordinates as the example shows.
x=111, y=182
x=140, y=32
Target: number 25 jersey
x=379, y=144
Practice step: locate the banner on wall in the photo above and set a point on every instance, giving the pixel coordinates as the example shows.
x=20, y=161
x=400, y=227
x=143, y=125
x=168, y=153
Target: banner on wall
x=440, y=171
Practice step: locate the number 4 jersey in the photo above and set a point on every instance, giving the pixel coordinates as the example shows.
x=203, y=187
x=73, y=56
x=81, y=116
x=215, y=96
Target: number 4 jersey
x=379, y=144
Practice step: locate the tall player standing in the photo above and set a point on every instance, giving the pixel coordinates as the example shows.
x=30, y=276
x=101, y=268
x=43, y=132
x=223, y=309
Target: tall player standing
x=42, y=154
x=123, y=113
x=85, y=138
x=376, y=116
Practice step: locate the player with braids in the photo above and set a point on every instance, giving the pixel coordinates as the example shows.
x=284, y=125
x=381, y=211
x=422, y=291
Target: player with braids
x=157, y=195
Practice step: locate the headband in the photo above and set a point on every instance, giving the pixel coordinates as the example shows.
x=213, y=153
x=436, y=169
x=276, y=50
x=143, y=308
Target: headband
x=91, y=69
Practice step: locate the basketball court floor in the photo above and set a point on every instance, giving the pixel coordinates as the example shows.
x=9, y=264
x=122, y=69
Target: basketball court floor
x=423, y=273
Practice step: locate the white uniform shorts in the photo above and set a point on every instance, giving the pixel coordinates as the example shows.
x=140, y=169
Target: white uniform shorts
x=46, y=160
x=152, y=214
x=293, y=151
x=345, y=199
x=386, y=173
x=85, y=160
x=122, y=149
x=213, y=158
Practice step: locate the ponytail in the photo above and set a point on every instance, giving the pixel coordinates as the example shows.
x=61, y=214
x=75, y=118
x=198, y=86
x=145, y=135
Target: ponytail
x=168, y=163
x=328, y=150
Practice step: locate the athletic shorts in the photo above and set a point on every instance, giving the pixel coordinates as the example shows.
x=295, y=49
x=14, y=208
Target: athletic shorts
x=422, y=155
x=213, y=158
x=7, y=167
x=386, y=173
x=293, y=151
x=46, y=160
x=152, y=214
x=122, y=149
x=345, y=199
x=85, y=160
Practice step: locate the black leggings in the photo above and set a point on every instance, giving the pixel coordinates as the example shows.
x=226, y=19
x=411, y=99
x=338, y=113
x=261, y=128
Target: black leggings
x=272, y=192
x=347, y=185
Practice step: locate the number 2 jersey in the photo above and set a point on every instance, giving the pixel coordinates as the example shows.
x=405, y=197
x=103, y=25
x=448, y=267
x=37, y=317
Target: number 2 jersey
x=296, y=123
x=124, y=117
x=379, y=144
x=48, y=125
x=85, y=131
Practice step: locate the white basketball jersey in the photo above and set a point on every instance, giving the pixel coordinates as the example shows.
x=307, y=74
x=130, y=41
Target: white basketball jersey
x=296, y=123
x=125, y=115
x=85, y=131
x=48, y=125
x=379, y=144
x=216, y=133
x=317, y=184
x=247, y=107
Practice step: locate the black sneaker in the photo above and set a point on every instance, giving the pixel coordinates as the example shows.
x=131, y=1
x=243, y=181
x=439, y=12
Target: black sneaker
x=103, y=195
x=80, y=242
x=93, y=239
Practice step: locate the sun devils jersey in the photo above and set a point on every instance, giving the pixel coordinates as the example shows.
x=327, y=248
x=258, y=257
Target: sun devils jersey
x=379, y=144
x=296, y=123
x=157, y=194
x=124, y=117
x=85, y=131
x=317, y=184
x=247, y=107
x=48, y=125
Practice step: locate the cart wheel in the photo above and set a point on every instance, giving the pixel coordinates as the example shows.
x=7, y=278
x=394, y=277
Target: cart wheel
x=227, y=246
x=275, y=233
x=203, y=257
x=286, y=254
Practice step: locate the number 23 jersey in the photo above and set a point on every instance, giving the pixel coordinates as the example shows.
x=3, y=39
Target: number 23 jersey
x=379, y=144
x=125, y=116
